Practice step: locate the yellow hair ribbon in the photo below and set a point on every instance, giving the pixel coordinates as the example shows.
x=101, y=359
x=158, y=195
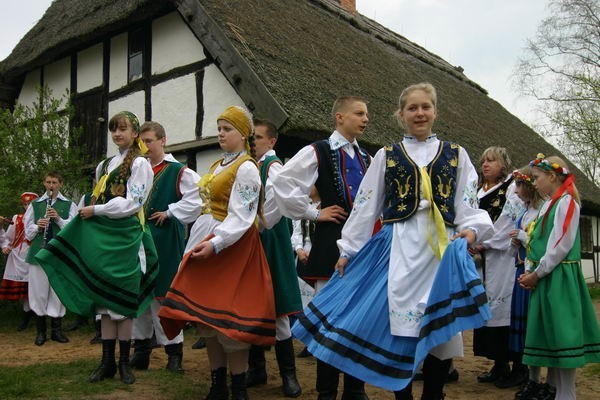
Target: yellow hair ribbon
x=435, y=216
x=100, y=186
x=141, y=145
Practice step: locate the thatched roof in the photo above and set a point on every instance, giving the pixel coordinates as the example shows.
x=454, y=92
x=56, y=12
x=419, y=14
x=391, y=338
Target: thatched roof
x=306, y=53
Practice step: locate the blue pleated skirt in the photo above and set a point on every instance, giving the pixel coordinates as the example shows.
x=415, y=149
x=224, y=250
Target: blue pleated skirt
x=347, y=324
x=518, y=314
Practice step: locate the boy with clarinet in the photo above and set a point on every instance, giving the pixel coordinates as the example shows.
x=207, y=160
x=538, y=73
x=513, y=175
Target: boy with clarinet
x=46, y=216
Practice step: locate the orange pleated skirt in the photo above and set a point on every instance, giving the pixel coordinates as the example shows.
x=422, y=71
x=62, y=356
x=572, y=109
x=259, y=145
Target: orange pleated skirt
x=231, y=292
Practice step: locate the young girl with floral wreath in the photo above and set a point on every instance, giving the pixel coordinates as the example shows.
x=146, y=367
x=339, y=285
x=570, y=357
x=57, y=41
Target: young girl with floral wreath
x=104, y=261
x=223, y=284
x=562, y=330
x=519, y=238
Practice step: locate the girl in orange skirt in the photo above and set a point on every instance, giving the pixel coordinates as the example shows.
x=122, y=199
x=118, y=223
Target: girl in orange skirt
x=223, y=283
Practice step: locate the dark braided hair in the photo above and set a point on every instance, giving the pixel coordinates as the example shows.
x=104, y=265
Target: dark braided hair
x=118, y=119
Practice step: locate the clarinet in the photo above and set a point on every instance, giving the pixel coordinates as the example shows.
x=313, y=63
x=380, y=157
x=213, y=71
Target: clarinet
x=47, y=229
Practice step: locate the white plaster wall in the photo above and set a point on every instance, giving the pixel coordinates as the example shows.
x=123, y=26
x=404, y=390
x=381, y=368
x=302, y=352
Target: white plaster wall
x=173, y=44
x=218, y=94
x=587, y=265
x=29, y=91
x=57, y=77
x=89, y=68
x=118, y=62
x=134, y=103
x=174, y=106
x=206, y=158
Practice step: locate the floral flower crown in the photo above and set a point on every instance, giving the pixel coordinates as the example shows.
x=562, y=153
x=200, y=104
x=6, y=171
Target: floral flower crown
x=541, y=162
x=520, y=177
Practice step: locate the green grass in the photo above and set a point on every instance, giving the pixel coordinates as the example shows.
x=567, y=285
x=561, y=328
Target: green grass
x=69, y=381
x=52, y=381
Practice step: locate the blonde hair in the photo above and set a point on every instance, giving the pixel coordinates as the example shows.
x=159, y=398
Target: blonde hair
x=534, y=196
x=423, y=86
x=499, y=154
x=341, y=103
x=561, y=177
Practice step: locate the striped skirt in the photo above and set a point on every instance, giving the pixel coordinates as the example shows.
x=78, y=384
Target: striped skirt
x=231, y=292
x=347, y=324
x=13, y=290
x=95, y=263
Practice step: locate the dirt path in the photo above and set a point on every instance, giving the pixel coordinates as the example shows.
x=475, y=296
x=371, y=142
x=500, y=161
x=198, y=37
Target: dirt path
x=18, y=349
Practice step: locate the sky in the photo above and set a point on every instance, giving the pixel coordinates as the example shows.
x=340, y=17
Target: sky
x=485, y=37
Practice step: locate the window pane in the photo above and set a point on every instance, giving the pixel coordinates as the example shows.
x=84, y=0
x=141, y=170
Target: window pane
x=135, y=67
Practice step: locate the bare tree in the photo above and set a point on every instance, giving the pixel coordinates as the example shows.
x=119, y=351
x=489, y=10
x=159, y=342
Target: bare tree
x=561, y=68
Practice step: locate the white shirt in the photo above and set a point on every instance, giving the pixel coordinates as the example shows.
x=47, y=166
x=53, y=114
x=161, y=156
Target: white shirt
x=31, y=228
x=292, y=185
x=271, y=212
x=499, y=257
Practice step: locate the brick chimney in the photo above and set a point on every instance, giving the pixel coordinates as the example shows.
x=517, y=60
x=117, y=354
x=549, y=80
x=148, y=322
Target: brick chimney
x=348, y=5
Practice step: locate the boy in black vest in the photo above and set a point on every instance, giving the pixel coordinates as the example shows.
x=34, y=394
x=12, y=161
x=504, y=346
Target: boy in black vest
x=335, y=166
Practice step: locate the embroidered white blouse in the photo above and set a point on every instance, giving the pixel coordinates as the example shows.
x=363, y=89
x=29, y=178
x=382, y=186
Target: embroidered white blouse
x=413, y=264
x=499, y=258
x=138, y=188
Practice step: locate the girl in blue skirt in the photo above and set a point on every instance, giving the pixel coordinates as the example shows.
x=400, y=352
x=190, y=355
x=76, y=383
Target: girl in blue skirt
x=392, y=301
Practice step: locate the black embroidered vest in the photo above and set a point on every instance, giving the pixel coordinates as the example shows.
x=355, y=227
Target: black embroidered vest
x=493, y=201
x=403, y=182
x=333, y=190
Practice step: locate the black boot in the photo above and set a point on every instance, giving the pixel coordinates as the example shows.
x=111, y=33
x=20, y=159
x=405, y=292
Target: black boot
x=499, y=370
x=98, y=336
x=108, y=367
x=141, y=354
x=284, y=351
x=175, y=356
x=57, y=333
x=328, y=379
x=200, y=344
x=80, y=321
x=24, y=324
x=238, y=387
x=257, y=373
x=404, y=394
x=218, y=385
x=435, y=372
x=124, y=370
x=354, y=389
x=40, y=325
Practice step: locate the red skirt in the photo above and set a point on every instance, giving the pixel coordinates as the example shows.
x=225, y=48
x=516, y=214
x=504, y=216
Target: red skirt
x=13, y=290
x=231, y=292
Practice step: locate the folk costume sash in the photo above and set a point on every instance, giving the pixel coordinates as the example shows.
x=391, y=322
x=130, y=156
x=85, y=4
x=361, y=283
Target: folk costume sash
x=169, y=238
x=280, y=256
x=62, y=207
